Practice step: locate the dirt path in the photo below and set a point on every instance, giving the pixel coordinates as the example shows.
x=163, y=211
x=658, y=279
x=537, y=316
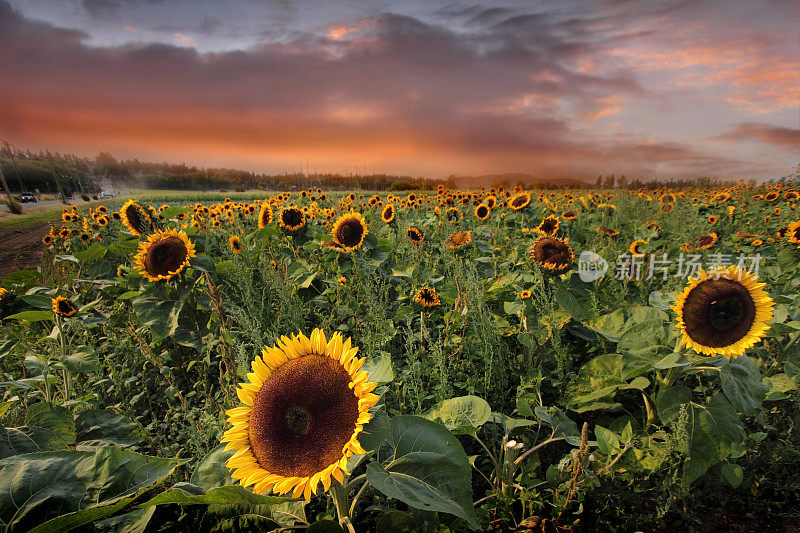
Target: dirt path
x=21, y=247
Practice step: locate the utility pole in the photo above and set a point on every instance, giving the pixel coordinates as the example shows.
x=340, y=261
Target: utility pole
x=13, y=162
x=5, y=186
x=58, y=182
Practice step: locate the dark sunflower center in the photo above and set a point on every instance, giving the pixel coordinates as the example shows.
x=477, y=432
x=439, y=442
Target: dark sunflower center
x=292, y=217
x=414, y=236
x=236, y=245
x=706, y=240
x=298, y=420
x=718, y=313
x=350, y=232
x=64, y=307
x=482, y=211
x=548, y=226
x=165, y=256
x=303, y=416
x=518, y=201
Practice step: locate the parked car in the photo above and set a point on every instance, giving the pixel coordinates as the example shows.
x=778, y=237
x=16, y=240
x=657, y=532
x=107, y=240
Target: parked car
x=106, y=194
x=27, y=197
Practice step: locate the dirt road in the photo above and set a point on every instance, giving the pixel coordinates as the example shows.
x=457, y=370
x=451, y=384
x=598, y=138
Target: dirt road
x=21, y=247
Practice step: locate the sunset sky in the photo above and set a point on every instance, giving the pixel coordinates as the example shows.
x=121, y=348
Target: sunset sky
x=427, y=88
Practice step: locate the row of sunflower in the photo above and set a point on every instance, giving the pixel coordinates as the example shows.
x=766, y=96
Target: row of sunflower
x=472, y=316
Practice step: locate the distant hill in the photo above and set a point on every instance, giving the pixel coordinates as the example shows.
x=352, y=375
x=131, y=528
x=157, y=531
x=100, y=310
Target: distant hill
x=512, y=178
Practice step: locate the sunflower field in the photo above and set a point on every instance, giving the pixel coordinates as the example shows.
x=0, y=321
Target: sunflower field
x=449, y=360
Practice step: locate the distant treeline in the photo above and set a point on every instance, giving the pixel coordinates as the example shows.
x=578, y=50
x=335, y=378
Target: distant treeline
x=51, y=172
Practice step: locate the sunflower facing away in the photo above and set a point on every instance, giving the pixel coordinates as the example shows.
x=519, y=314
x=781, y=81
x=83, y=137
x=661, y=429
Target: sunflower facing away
x=291, y=219
x=459, y=239
x=134, y=217
x=235, y=243
x=552, y=254
x=387, y=215
x=265, y=215
x=723, y=312
x=427, y=297
x=349, y=231
x=164, y=254
x=63, y=307
x=305, y=403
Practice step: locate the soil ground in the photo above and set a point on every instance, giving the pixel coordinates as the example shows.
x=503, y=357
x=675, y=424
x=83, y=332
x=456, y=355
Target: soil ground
x=21, y=247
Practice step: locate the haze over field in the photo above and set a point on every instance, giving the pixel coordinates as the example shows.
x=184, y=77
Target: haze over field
x=555, y=90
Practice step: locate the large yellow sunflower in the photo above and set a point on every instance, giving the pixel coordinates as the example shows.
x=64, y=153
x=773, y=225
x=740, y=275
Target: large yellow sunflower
x=134, y=217
x=519, y=200
x=552, y=254
x=305, y=403
x=164, y=254
x=291, y=219
x=387, y=215
x=349, y=231
x=723, y=312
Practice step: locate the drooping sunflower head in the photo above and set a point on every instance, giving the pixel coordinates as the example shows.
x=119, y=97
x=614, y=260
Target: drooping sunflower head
x=569, y=215
x=305, y=404
x=235, y=244
x=552, y=254
x=637, y=248
x=265, y=214
x=667, y=208
x=549, y=226
x=427, y=297
x=723, y=312
x=63, y=307
x=414, y=235
x=349, y=231
x=459, y=239
x=164, y=254
x=291, y=219
x=519, y=200
x=482, y=211
x=388, y=213
x=135, y=218
x=608, y=231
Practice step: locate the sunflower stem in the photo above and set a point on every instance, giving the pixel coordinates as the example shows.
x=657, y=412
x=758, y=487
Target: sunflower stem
x=339, y=495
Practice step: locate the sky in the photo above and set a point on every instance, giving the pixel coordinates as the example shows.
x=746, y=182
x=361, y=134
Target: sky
x=568, y=89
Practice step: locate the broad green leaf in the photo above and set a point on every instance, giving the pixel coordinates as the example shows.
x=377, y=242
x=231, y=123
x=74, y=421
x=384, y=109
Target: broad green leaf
x=211, y=471
x=711, y=428
x=187, y=494
x=741, y=382
x=31, y=316
x=82, y=359
x=464, y=414
x=779, y=386
x=20, y=277
x=39, y=301
x=174, y=211
x=93, y=252
x=375, y=432
x=131, y=522
x=733, y=474
x=576, y=303
x=607, y=440
x=57, y=491
x=325, y=526
x=428, y=468
x=102, y=427
x=669, y=404
x=380, y=369
x=561, y=423
x=510, y=425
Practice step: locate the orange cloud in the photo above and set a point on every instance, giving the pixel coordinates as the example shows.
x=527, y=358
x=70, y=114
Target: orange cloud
x=607, y=106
